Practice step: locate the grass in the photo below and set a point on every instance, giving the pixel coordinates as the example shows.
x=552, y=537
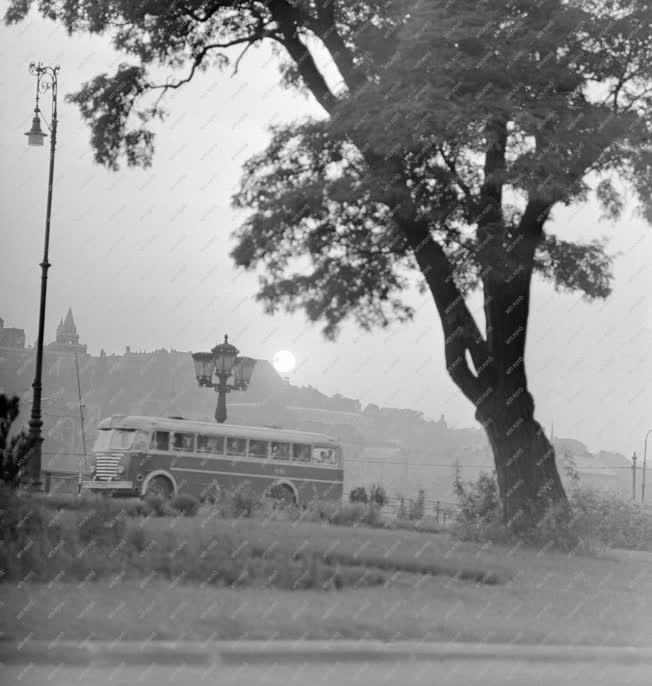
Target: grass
x=103, y=538
x=206, y=577
x=550, y=599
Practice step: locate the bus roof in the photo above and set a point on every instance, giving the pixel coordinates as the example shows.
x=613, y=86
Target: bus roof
x=210, y=428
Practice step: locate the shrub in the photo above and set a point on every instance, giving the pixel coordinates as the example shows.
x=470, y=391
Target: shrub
x=15, y=448
x=378, y=495
x=355, y=514
x=589, y=521
x=607, y=519
x=185, y=503
x=102, y=525
x=478, y=501
x=417, y=507
x=242, y=503
x=402, y=512
x=157, y=505
x=358, y=495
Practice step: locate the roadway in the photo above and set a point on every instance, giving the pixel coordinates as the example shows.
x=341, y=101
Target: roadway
x=453, y=672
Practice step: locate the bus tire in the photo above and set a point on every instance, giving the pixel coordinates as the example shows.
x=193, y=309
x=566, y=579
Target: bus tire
x=159, y=486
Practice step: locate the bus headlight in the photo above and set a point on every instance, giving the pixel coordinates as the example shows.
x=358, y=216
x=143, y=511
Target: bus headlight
x=123, y=465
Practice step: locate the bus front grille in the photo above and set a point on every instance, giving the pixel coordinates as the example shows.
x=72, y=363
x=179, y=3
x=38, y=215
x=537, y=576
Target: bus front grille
x=106, y=467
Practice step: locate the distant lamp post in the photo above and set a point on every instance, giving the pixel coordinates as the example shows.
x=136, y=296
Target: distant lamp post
x=634, y=458
x=223, y=362
x=46, y=80
x=644, y=463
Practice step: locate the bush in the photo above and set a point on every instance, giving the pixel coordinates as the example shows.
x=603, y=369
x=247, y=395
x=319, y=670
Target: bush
x=590, y=521
x=358, y=495
x=242, y=503
x=157, y=506
x=15, y=447
x=479, y=514
x=378, y=495
x=356, y=514
x=185, y=503
x=607, y=519
x=342, y=514
x=417, y=508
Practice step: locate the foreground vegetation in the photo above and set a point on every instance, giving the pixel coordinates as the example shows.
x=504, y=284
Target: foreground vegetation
x=592, y=521
x=144, y=570
x=77, y=539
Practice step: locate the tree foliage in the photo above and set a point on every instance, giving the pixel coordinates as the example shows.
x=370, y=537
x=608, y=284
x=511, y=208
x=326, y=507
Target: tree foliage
x=14, y=447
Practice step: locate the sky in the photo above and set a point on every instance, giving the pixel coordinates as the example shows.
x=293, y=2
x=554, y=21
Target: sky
x=141, y=256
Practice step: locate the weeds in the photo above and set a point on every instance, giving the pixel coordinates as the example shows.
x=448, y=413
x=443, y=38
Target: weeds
x=103, y=539
x=591, y=520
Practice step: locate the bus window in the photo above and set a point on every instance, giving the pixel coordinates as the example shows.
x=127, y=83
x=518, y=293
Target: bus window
x=236, y=446
x=280, y=451
x=184, y=442
x=141, y=441
x=257, y=448
x=323, y=455
x=160, y=440
x=210, y=444
x=301, y=453
x=114, y=439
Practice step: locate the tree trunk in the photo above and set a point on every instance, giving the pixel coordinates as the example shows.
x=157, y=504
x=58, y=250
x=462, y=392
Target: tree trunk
x=527, y=475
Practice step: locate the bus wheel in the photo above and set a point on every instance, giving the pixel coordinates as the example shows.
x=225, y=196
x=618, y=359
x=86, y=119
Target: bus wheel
x=283, y=494
x=159, y=486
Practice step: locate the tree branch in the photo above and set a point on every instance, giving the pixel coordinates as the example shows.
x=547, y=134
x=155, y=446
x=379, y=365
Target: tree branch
x=325, y=28
x=285, y=16
x=460, y=330
x=199, y=58
x=464, y=187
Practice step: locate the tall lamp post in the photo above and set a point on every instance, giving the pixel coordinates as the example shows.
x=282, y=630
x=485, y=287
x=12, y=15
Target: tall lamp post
x=46, y=80
x=223, y=362
x=644, y=462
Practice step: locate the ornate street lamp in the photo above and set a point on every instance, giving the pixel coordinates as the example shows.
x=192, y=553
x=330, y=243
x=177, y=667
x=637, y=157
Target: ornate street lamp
x=223, y=362
x=644, y=465
x=46, y=80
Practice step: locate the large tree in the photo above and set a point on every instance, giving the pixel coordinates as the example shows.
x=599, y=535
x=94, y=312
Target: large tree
x=457, y=127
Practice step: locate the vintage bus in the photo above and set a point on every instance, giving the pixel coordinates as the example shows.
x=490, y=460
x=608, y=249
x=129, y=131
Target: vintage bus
x=154, y=455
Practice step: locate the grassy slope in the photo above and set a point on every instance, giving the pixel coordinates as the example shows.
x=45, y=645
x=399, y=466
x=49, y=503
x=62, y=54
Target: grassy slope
x=548, y=597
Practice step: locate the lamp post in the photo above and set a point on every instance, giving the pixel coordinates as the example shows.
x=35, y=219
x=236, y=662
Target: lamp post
x=223, y=362
x=644, y=462
x=46, y=80
x=634, y=458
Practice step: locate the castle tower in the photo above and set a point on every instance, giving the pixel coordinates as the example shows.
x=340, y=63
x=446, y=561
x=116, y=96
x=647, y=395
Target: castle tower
x=67, y=340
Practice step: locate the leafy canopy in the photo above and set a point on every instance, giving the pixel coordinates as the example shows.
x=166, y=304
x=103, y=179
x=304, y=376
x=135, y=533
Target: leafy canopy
x=428, y=90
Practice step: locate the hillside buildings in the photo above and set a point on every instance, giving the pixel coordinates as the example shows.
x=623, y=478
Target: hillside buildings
x=11, y=338
x=395, y=447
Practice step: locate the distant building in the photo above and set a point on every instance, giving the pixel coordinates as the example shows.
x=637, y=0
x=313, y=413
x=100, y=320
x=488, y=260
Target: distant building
x=67, y=340
x=11, y=338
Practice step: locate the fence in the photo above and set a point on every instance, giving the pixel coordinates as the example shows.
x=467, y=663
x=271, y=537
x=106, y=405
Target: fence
x=60, y=482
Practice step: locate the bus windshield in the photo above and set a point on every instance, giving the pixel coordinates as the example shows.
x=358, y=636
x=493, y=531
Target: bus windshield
x=114, y=439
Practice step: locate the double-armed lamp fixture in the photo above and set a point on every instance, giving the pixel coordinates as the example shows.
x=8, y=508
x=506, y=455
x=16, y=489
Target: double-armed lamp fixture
x=214, y=368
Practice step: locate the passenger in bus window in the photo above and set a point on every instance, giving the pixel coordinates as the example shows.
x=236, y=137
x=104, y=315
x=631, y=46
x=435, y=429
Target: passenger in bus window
x=184, y=442
x=280, y=451
x=236, y=446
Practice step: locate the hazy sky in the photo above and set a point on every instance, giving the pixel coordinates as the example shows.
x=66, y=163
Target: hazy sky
x=142, y=257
